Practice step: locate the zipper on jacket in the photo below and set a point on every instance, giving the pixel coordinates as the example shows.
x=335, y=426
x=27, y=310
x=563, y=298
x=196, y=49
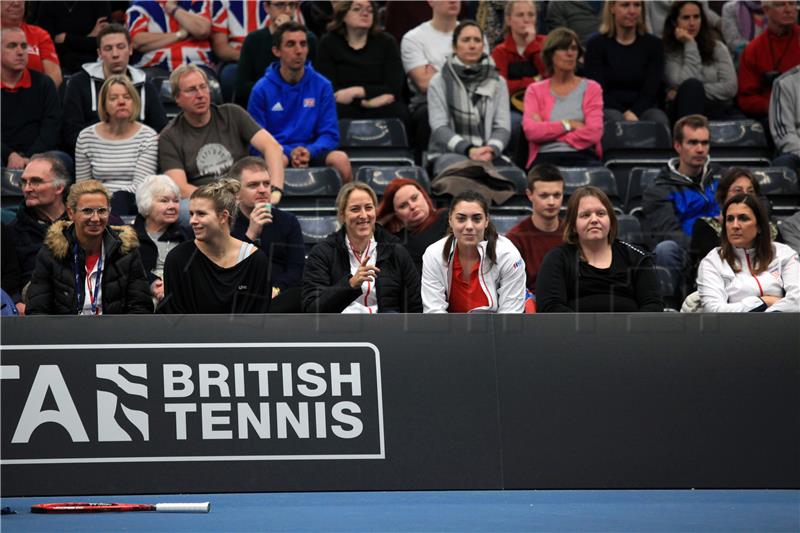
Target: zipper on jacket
x=750, y=268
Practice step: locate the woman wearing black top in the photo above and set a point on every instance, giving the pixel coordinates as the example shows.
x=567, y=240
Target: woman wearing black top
x=407, y=212
x=216, y=273
x=593, y=271
x=628, y=63
x=363, y=64
x=361, y=268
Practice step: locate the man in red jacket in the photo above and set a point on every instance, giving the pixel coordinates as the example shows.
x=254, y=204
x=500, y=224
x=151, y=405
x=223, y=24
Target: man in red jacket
x=768, y=56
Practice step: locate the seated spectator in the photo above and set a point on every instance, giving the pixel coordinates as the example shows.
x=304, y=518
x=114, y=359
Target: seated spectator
x=169, y=34
x=297, y=105
x=768, y=56
x=472, y=269
x=790, y=231
x=658, y=13
x=118, y=151
x=42, y=56
x=424, y=51
x=74, y=27
x=628, y=63
x=407, y=212
x=468, y=106
x=157, y=228
x=707, y=230
x=80, y=100
x=44, y=183
x=682, y=192
x=316, y=15
x=215, y=273
x=31, y=108
x=231, y=22
x=361, y=268
x=87, y=267
x=581, y=17
x=746, y=255
x=784, y=119
x=201, y=144
x=742, y=21
x=699, y=72
x=539, y=233
x=519, y=57
x=275, y=231
x=563, y=118
x=593, y=271
x=363, y=64
x=256, y=54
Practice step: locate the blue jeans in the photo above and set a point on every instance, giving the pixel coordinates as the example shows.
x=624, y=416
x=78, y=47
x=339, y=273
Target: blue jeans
x=788, y=160
x=672, y=262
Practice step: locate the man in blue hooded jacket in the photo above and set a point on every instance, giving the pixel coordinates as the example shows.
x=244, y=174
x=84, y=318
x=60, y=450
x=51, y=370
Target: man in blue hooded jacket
x=297, y=105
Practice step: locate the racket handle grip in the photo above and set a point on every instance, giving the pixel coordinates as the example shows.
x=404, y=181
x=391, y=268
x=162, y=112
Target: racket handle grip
x=202, y=507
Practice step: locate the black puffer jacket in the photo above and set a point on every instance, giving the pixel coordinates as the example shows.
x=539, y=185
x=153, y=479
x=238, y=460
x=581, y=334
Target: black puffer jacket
x=29, y=233
x=326, y=279
x=124, y=285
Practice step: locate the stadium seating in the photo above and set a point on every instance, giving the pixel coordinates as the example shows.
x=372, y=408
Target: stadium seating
x=634, y=144
x=739, y=142
x=379, y=177
x=311, y=190
x=9, y=184
x=640, y=178
x=599, y=177
x=316, y=228
x=780, y=187
x=505, y=220
x=375, y=142
x=629, y=229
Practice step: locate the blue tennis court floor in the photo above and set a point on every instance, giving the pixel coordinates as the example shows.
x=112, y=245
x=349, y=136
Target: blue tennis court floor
x=445, y=511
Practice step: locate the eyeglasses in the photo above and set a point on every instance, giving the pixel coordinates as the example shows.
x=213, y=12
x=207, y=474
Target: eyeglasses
x=33, y=182
x=359, y=9
x=88, y=212
x=192, y=91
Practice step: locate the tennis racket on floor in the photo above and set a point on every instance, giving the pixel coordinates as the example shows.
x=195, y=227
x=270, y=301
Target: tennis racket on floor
x=84, y=507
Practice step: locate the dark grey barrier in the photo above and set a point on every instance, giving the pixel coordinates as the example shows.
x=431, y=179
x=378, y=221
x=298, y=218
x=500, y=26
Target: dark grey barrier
x=281, y=403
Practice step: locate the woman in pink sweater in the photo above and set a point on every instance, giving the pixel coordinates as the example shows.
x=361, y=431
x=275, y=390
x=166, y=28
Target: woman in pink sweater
x=563, y=118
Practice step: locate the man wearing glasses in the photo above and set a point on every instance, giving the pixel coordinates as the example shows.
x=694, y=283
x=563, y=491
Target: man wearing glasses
x=256, y=54
x=202, y=143
x=43, y=183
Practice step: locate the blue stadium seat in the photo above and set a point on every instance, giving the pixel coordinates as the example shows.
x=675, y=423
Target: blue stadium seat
x=10, y=186
x=635, y=144
x=780, y=187
x=375, y=142
x=599, y=177
x=311, y=190
x=629, y=229
x=640, y=178
x=379, y=177
x=316, y=228
x=739, y=142
x=505, y=220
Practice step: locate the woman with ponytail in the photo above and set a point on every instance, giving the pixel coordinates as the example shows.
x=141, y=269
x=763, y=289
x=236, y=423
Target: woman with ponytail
x=472, y=269
x=214, y=272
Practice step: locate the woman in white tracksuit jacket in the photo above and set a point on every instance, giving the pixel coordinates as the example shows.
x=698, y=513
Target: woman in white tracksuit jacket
x=473, y=269
x=748, y=272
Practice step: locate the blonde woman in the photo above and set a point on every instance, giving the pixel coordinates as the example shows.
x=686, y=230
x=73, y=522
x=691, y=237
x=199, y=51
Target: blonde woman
x=216, y=273
x=118, y=151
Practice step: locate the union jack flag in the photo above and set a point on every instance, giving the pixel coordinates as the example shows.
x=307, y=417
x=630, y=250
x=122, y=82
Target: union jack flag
x=237, y=18
x=149, y=16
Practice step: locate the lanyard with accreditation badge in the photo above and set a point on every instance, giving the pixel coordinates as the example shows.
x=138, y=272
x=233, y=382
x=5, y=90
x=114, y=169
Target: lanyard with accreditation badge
x=78, y=284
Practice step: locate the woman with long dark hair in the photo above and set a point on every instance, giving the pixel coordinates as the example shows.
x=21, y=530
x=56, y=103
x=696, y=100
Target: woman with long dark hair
x=472, y=269
x=468, y=106
x=698, y=69
x=593, y=271
x=407, y=212
x=748, y=271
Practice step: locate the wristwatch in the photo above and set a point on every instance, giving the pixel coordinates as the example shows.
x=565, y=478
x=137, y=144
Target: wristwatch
x=567, y=125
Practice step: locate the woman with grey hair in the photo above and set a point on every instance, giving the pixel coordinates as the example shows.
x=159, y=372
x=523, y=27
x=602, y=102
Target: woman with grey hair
x=157, y=227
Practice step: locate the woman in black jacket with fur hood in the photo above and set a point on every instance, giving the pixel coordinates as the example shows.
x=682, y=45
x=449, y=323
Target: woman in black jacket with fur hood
x=361, y=268
x=87, y=267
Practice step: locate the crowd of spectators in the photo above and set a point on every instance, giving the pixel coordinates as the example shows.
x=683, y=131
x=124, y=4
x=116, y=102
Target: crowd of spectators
x=179, y=118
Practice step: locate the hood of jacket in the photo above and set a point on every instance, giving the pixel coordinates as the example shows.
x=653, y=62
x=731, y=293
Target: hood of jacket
x=273, y=75
x=97, y=77
x=61, y=236
x=674, y=176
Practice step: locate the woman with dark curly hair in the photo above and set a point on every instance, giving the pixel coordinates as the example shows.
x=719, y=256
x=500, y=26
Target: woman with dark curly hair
x=698, y=69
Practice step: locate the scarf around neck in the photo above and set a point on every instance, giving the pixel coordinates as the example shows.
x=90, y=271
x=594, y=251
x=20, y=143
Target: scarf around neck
x=468, y=89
